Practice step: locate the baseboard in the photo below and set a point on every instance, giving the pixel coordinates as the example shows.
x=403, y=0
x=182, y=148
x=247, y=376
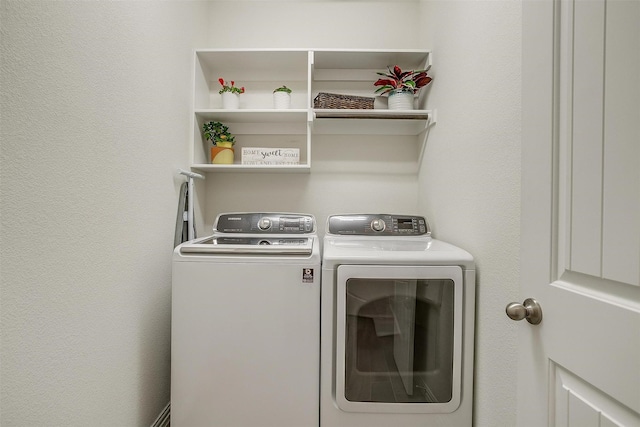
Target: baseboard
x=164, y=418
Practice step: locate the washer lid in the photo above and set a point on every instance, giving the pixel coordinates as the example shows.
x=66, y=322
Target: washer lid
x=338, y=250
x=250, y=245
x=371, y=244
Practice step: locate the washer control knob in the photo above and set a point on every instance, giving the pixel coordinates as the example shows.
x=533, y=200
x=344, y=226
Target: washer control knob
x=378, y=225
x=264, y=223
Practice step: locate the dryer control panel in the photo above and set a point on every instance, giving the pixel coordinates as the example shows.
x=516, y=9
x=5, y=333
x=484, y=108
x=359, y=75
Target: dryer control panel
x=265, y=223
x=378, y=225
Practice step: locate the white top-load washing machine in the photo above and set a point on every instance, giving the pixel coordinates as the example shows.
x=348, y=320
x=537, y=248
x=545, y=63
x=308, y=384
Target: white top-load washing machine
x=397, y=325
x=245, y=324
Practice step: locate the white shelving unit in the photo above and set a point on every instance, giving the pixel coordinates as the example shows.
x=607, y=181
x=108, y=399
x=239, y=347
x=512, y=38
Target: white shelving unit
x=307, y=72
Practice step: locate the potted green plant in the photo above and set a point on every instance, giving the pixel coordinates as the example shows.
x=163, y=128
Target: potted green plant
x=282, y=98
x=223, y=141
x=230, y=94
x=401, y=86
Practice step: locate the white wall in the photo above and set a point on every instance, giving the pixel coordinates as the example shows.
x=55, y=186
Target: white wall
x=470, y=176
x=469, y=180
x=95, y=101
x=349, y=173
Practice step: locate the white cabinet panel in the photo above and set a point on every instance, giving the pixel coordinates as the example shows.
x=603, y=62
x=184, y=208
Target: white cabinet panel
x=604, y=150
x=579, y=404
x=588, y=72
x=621, y=192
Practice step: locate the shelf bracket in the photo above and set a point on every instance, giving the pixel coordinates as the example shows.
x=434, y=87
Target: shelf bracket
x=433, y=117
x=424, y=135
x=311, y=117
x=431, y=120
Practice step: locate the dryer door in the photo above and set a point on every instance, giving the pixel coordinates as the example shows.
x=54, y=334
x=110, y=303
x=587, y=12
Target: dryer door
x=399, y=338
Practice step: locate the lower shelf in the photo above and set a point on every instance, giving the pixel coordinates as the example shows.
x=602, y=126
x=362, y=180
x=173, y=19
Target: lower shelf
x=303, y=168
x=371, y=122
x=372, y=114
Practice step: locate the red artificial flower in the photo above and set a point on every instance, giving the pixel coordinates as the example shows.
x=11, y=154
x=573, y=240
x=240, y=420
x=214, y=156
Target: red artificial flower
x=229, y=88
x=385, y=82
x=395, y=78
x=422, y=80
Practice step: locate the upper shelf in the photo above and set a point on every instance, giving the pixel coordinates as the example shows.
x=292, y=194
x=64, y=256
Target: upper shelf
x=247, y=65
x=361, y=65
x=323, y=121
x=254, y=115
x=369, y=58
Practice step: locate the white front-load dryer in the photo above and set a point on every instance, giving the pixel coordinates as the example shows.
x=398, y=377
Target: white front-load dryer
x=245, y=324
x=397, y=325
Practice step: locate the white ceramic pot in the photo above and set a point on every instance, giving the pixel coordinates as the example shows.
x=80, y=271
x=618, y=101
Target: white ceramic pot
x=281, y=100
x=230, y=100
x=401, y=99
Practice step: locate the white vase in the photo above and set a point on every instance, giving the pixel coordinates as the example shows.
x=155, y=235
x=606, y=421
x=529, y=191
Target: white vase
x=401, y=99
x=281, y=100
x=230, y=100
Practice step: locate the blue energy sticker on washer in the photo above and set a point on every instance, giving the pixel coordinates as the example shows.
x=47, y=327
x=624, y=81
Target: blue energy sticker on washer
x=307, y=275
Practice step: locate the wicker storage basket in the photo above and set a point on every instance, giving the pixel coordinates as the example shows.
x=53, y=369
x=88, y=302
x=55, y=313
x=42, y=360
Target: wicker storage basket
x=348, y=102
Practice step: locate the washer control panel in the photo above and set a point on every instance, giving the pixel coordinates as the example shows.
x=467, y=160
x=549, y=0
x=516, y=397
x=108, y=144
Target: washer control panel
x=261, y=241
x=265, y=223
x=378, y=225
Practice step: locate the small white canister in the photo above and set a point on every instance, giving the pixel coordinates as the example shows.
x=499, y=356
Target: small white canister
x=282, y=98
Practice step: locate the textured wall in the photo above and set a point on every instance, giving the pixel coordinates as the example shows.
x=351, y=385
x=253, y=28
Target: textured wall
x=94, y=118
x=95, y=99
x=348, y=173
x=470, y=175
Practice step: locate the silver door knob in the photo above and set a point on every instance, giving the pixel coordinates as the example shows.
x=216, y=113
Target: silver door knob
x=529, y=309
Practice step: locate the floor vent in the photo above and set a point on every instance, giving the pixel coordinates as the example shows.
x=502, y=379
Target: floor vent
x=164, y=419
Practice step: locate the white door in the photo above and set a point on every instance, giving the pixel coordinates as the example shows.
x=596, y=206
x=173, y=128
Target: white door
x=581, y=213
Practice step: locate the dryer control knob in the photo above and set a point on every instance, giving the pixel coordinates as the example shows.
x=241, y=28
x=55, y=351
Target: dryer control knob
x=264, y=224
x=378, y=225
